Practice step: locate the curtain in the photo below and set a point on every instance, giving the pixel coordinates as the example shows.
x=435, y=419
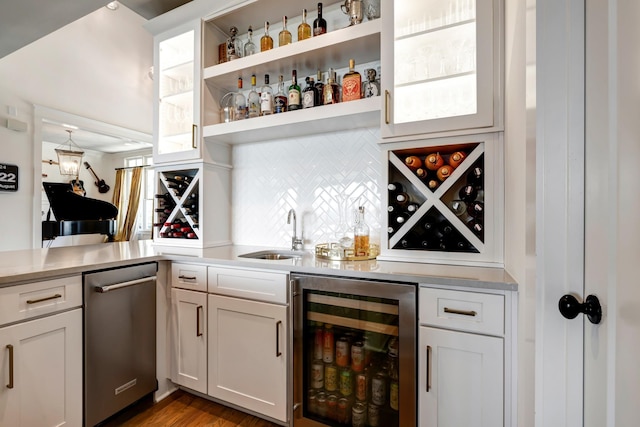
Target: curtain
x=127, y=200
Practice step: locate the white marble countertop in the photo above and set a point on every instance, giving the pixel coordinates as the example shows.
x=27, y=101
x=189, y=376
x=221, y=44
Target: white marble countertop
x=37, y=264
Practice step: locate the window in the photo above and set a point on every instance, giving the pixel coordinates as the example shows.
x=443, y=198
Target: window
x=144, y=219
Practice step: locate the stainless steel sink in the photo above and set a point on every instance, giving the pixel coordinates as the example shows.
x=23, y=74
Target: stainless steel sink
x=273, y=254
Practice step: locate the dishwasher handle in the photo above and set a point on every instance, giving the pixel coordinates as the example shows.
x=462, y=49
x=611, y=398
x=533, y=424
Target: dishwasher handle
x=107, y=288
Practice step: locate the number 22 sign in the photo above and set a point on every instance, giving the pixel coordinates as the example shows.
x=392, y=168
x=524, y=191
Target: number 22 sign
x=8, y=177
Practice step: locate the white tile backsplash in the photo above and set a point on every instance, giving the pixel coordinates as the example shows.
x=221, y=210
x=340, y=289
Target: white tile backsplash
x=314, y=175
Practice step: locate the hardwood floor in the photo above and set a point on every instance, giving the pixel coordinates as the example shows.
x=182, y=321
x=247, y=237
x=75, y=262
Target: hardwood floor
x=182, y=409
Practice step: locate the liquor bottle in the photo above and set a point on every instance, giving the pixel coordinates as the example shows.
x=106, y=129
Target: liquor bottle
x=266, y=97
x=304, y=29
x=284, y=37
x=309, y=94
x=319, y=24
x=294, y=93
x=351, y=83
x=253, y=99
x=371, y=87
x=361, y=235
x=234, y=45
x=280, y=99
x=331, y=91
x=266, y=42
x=249, y=46
x=319, y=88
x=239, y=103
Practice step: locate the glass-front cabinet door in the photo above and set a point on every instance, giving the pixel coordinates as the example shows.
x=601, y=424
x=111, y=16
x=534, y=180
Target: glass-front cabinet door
x=177, y=106
x=440, y=66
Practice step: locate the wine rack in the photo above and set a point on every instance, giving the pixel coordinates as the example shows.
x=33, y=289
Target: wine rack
x=448, y=206
x=181, y=205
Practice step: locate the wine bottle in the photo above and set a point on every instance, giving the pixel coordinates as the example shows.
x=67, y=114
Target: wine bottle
x=412, y=208
x=304, y=29
x=476, y=210
x=402, y=199
x=401, y=218
x=280, y=100
x=434, y=161
x=458, y=207
x=393, y=209
x=294, y=93
x=475, y=176
x=319, y=88
x=395, y=187
x=319, y=24
x=413, y=162
x=468, y=193
x=284, y=37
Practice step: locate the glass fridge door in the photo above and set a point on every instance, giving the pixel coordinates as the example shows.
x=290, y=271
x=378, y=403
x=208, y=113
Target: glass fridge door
x=355, y=356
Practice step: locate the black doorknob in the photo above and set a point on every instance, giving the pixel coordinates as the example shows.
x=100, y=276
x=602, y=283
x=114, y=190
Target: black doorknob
x=570, y=308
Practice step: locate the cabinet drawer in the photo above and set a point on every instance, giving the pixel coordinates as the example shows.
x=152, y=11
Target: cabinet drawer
x=35, y=299
x=466, y=311
x=189, y=276
x=252, y=284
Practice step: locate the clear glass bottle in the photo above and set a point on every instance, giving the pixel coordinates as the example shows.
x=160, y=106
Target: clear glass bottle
x=249, y=46
x=280, y=100
x=351, y=83
x=319, y=24
x=234, y=45
x=361, y=235
x=239, y=103
x=253, y=99
x=309, y=94
x=320, y=88
x=331, y=91
x=294, y=93
x=266, y=42
x=304, y=29
x=284, y=37
x=266, y=97
x=371, y=87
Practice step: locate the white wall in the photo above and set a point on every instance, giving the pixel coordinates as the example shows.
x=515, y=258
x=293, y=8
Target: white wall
x=95, y=67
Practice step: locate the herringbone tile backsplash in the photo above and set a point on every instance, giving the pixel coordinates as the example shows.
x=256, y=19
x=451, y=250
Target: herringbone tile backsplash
x=315, y=175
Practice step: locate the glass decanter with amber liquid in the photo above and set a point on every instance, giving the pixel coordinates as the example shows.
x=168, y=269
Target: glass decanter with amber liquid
x=361, y=235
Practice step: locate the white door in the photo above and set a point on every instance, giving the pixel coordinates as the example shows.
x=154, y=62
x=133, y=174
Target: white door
x=588, y=201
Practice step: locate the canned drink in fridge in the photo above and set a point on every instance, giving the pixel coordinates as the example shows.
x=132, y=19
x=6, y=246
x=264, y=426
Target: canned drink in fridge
x=346, y=382
x=321, y=404
x=317, y=374
x=361, y=386
x=344, y=410
x=357, y=356
x=342, y=352
x=332, y=407
x=359, y=415
x=330, y=377
x=379, y=389
x=318, y=341
x=373, y=415
x=312, y=404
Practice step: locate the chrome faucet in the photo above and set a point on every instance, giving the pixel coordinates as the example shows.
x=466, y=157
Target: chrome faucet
x=296, y=242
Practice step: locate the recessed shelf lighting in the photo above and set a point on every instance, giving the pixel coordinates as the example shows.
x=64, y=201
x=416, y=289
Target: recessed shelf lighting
x=113, y=5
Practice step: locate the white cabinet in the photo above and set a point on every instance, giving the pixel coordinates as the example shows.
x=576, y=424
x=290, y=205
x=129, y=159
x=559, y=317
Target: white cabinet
x=177, y=94
x=41, y=372
x=189, y=360
x=464, y=358
x=248, y=354
x=441, y=62
x=461, y=383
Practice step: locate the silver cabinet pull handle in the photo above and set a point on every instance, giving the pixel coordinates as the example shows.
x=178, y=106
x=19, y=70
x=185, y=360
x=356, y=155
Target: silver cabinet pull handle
x=278, y=352
x=198, y=310
x=35, y=301
x=181, y=277
x=428, y=368
x=471, y=313
x=107, y=288
x=10, y=348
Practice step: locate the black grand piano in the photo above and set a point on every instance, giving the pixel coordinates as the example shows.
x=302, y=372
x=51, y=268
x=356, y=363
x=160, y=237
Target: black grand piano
x=76, y=214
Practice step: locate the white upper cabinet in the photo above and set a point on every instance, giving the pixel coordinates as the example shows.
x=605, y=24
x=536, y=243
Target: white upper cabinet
x=177, y=94
x=441, y=67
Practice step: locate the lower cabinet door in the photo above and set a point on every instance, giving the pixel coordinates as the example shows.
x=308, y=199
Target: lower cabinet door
x=41, y=372
x=461, y=379
x=248, y=354
x=189, y=362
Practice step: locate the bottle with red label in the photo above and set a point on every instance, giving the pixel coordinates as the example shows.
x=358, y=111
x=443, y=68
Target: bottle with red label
x=351, y=83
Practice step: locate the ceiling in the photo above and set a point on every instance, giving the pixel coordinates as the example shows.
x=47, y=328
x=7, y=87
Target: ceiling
x=56, y=133
x=25, y=21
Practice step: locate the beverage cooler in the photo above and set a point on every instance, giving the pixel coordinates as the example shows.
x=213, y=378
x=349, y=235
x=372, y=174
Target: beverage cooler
x=354, y=352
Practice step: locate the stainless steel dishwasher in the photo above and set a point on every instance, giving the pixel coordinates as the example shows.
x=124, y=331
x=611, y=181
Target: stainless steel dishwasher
x=119, y=339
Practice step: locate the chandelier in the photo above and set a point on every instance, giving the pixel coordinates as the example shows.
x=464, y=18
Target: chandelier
x=69, y=160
